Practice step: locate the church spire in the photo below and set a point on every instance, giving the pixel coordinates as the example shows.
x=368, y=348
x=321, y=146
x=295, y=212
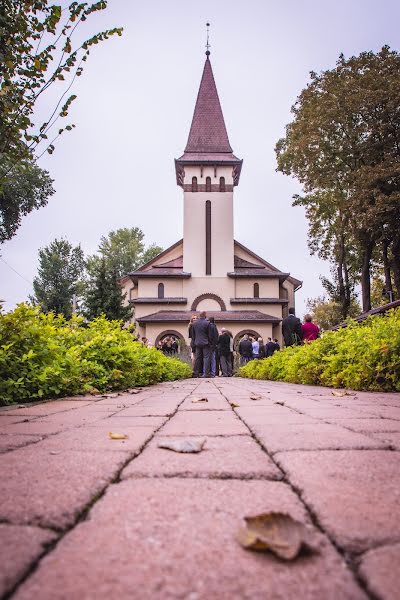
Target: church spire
x=208, y=132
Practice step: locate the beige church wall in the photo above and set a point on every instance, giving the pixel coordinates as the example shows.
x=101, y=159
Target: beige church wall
x=208, y=304
x=244, y=288
x=148, y=288
x=246, y=256
x=291, y=295
x=208, y=171
x=220, y=286
x=275, y=310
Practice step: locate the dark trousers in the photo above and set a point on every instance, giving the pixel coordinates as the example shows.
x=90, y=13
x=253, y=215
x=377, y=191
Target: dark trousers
x=202, y=360
x=226, y=365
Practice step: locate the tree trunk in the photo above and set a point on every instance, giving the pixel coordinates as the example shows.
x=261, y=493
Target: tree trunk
x=365, y=275
x=395, y=264
x=386, y=269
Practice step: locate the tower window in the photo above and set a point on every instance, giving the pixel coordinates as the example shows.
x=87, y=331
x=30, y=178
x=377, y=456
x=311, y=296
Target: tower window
x=222, y=184
x=208, y=184
x=161, y=290
x=194, y=184
x=256, y=290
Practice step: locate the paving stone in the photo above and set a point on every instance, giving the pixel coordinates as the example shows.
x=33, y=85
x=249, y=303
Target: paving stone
x=311, y=436
x=392, y=438
x=335, y=412
x=19, y=547
x=6, y=419
x=127, y=421
x=368, y=425
x=379, y=568
x=98, y=439
x=48, y=408
x=222, y=457
x=215, y=402
x=354, y=494
x=204, y=423
x=389, y=412
x=146, y=411
x=38, y=487
x=35, y=427
x=12, y=441
x=168, y=539
x=258, y=416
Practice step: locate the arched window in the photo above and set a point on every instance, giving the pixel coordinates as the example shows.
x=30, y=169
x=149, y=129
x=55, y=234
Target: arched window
x=208, y=184
x=256, y=289
x=222, y=184
x=161, y=290
x=194, y=184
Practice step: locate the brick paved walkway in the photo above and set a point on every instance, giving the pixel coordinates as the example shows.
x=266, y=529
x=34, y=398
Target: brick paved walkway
x=85, y=517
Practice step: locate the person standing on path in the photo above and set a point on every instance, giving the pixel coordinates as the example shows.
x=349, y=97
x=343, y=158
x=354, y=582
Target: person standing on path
x=245, y=350
x=224, y=349
x=190, y=335
x=291, y=329
x=261, y=349
x=270, y=348
x=309, y=329
x=201, y=340
x=213, y=335
x=256, y=347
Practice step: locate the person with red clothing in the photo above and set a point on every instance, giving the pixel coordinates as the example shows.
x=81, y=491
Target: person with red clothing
x=309, y=329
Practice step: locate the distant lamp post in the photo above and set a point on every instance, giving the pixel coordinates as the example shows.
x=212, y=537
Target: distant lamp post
x=387, y=294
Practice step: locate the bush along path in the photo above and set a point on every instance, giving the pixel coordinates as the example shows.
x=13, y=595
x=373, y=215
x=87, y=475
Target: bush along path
x=362, y=356
x=86, y=516
x=43, y=356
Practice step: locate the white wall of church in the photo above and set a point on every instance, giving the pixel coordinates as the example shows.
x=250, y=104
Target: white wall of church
x=148, y=288
x=244, y=288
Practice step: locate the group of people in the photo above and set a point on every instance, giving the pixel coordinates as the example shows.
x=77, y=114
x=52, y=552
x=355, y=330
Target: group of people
x=168, y=345
x=295, y=333
x=211, y=351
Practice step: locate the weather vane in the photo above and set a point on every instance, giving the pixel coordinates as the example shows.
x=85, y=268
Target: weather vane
x=208, y=46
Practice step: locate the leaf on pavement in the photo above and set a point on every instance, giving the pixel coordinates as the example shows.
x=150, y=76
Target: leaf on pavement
x=186, y=446
x=234, y=405
x=117, y=436
x=340, y=394
x=255, y=397
x=275, y=532
x=200, y=400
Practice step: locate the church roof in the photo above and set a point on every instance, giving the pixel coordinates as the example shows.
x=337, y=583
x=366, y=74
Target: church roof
x=208, y=140
x=254, y=316
x=208, y=132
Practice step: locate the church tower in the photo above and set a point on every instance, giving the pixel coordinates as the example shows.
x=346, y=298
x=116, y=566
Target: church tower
x=208, y=172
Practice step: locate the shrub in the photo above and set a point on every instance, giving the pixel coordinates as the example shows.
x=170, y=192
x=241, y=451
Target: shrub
x=44, y=355
x=360, y=356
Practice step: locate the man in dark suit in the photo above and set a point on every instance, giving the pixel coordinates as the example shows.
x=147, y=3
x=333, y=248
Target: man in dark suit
x=270, y=348
x=201, y=340
x=291, y=329
x=245, y=350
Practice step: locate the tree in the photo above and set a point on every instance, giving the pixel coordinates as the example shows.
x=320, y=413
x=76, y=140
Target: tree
x=27, y=188
x=344, y=143
x=37, y=51
x=327, y=313
x=60, y=274
x=104, y=294
x=123, y=251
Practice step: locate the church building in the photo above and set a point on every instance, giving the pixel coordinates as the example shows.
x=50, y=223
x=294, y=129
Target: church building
x=208, y=269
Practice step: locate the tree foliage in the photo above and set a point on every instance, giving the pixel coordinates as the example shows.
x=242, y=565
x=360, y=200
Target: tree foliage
x=38, y=50
x=60, y=275
x=123, y=251
x=344, y=147
x=327, y=313
x=27, y=188
x=104, y=295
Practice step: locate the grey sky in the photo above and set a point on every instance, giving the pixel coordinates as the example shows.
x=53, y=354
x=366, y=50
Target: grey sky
x=133, y=113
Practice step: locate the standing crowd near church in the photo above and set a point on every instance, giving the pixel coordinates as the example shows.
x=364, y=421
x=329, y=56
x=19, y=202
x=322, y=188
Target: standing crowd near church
x=213, y=351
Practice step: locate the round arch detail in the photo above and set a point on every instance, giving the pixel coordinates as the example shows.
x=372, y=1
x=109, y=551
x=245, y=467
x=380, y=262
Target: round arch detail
x=237, y=337
x=218, y=299
x=170, y=332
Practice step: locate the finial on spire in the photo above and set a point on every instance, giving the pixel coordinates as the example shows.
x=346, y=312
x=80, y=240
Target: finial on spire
x=208, y=46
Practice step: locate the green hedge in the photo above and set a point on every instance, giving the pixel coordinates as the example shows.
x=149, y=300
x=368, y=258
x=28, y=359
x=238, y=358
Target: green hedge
x=360, y=356
x=43, y=356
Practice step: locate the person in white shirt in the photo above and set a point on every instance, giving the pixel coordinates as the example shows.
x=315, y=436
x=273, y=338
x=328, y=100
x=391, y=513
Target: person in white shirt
x=256, y=348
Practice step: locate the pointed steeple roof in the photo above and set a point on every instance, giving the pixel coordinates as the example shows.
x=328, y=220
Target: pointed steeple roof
x=208, y=141
x=208, y=132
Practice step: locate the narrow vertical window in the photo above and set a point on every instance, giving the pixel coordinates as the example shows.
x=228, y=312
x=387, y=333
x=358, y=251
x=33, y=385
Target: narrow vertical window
x=194, y=184
x=208, y=237
x=222, y=184
x=208, y=184
x=256, y=289
x=161, y=290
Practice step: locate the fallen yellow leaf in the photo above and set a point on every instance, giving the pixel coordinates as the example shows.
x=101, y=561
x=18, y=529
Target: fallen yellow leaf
x=275, y=532
x=117, y=436
x=255, y=397
x=200, y=400
x=234, y=405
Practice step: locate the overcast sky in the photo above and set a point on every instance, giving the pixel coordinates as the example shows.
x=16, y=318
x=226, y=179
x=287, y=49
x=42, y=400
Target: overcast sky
x=134, y=109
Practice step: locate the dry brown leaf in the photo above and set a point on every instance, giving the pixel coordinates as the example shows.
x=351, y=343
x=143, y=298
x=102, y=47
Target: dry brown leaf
x=255, y=397
x=234, y=405
x=186, y=446
x=199, y=400
x=134, y=391
x=117, y=436
x=275, y=532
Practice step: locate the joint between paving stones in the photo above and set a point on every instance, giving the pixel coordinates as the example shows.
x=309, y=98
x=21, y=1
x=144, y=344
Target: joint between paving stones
x=83, y=513
x=347, y=557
